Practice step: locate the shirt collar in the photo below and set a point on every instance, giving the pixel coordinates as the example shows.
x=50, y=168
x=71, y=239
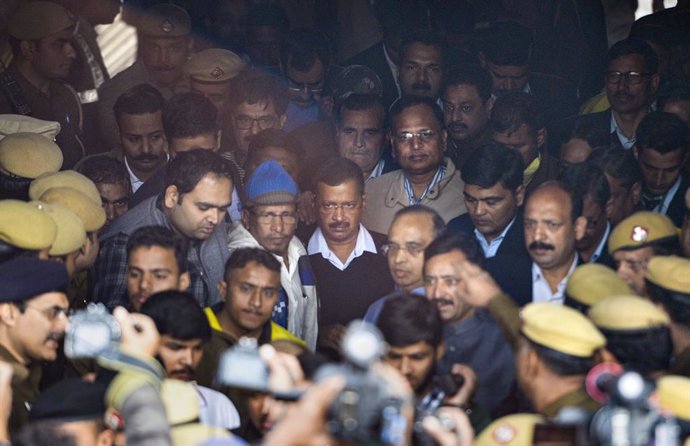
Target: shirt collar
x=626, y=142
x=500, y=237
x=377, y=171
x=602, y=244
x=133, y=179
x=318, y=244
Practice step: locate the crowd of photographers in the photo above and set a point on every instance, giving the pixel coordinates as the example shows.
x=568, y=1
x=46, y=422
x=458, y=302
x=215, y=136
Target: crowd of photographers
x=398, y=222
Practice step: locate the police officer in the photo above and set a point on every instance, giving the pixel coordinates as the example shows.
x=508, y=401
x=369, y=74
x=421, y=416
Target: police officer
x=591, y=283
x=638, y=238
x=165, y=43
x=41, y=36
x=668, y=283
x=24, y=157
x=33, y=317
x=637, y=332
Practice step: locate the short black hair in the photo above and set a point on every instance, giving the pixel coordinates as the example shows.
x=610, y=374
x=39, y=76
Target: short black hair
x=562, y=364
x=675, y=303
x=493, y=164
x=406, y=102
x=588, y=180
x=188, y=168
x=302, y=47
x=595, y=136
x=273, y=138
x=644, y=350
x=337, y=170
x=448, y=242
x=190, y=114
x=672, y=92
x=618, y=163
x=139, y=100
x=663, y=132
x=102, y=169
x=360, y=102
x=474, y=76
x=419, y=209
x=178, y=315
x=258, y=87
x=515, y=108
x=425, y=37
x=148, y=236
x=632, y=46
x=243, y=256
x=13, y=187
x=507, y=43
x=406, y=320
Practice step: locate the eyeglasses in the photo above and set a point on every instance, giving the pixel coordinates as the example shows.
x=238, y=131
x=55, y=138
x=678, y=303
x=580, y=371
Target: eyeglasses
x=311, y=87
x=407, y=137
x=329, y=207
x=448, y=281
x=631, y=77
x=267, y=218
x=246, y=122
x=52, y=313
x=413, y=249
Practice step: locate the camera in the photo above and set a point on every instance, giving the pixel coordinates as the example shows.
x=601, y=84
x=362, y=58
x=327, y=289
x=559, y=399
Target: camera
x=92, y=332
x=444, y=384
x=242, y=367
x=365, y=411
x=629, y=418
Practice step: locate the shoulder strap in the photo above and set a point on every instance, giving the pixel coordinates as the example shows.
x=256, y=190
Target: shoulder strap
x=14, y=93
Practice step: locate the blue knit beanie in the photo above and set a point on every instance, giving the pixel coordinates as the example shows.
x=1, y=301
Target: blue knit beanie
x=269, y=185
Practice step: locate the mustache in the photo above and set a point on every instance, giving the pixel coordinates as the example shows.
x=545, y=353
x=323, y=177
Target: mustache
x=623, y=95
x=457, y=125
x=55, y=337
x=185, y=369
x=421, y=86
x=540, y=245
x=443, y=301
x=339, y=225
x=146, y=157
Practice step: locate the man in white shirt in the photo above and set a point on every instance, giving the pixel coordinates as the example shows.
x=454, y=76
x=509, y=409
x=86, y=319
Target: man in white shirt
x=184, y=330
x=342, y=251
x=553, y=224
x=138, y=113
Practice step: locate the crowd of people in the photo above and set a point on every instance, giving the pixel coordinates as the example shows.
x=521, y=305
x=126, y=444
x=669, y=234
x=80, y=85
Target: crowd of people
x=504, y=197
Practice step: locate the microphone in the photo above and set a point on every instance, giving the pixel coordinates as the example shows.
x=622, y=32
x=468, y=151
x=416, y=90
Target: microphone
x=601, y=379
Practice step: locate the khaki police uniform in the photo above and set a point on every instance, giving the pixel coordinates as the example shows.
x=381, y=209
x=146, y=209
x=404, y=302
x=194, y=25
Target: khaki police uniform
x=33, y=21
x=25, y=383
x=166, y=21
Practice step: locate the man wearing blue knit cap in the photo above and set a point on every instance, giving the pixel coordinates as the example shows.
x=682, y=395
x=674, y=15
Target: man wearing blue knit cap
x=269, y=221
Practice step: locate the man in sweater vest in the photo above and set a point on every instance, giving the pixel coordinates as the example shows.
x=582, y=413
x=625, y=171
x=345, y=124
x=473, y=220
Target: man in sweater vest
x=342, y=251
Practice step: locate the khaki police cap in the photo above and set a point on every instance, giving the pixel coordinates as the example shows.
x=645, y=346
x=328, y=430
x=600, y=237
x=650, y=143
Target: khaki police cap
x=71, y=234
x=641, y=229
x=37, y=19
x=214, y=65
x=25, y=227
x=165, y=20
x=627, y=313
x=561, y=328
x=65, y=178
x=592, y=282
x=10, y=124
x=674, y=395
x=670, y=272
x=511, y=430
x=90, y=212
x=29, y=155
